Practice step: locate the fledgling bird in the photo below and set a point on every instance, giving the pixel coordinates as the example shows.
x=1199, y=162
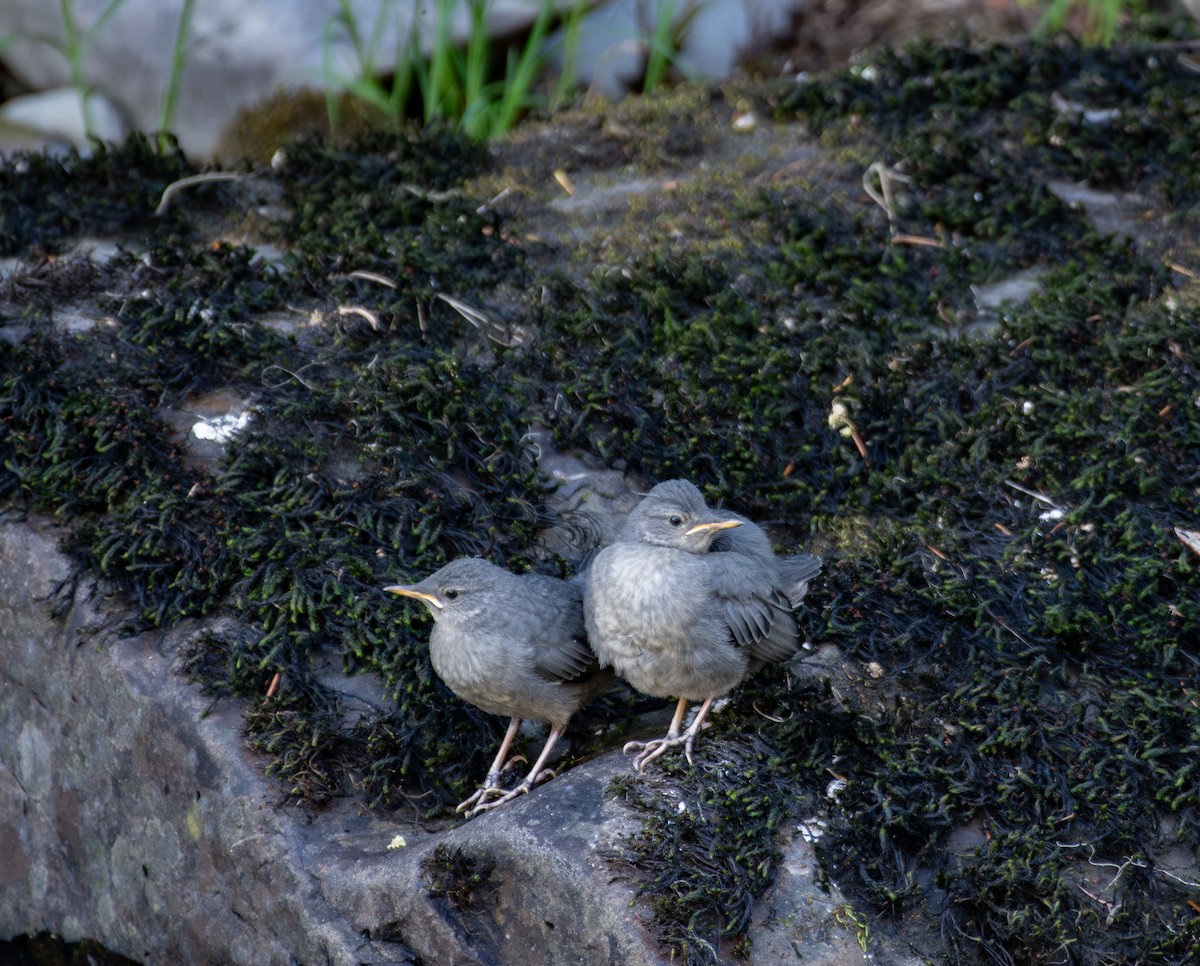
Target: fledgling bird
x=511, y=645
x=686, y=602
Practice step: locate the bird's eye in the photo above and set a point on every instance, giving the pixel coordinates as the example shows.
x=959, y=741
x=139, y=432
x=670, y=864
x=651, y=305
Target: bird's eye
x=675, y=520
x=451, y=595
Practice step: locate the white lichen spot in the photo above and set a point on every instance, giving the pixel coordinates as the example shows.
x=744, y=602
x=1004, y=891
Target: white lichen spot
x=811, y=830
x=221, y=429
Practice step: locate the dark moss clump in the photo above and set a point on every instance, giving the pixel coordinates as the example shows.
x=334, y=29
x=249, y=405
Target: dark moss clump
x=1024, y=630
x=373, y=454
x=184, y=315
x=462, y=880
x=49, y=200
x=306, y=742
x=1121, y=119
x=709, y=848
x=383, y=207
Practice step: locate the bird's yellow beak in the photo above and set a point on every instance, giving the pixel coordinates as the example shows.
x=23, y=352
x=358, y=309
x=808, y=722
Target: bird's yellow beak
x=719, y=525
x=403, y=591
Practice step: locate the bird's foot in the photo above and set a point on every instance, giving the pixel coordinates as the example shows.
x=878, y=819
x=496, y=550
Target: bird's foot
x=651, y=750
x=656, y=748
x=479, y=801
x=507, y=796
x=490, y=787
x=480, y=796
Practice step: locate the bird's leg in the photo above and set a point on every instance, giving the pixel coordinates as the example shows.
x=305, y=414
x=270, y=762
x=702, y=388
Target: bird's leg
x=491, y=784
x=689, y=736
x=535, y=775
x=658, y=746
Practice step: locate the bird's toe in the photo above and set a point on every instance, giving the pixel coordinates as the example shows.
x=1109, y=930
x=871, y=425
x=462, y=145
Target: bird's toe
x=508, y=796
x=514, y=761
x=651, y=750
x=480, y=796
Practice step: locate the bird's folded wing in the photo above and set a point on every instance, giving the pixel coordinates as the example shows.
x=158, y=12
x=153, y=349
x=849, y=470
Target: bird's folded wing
x=750, y=602
x=784, y=638
x=565, y=659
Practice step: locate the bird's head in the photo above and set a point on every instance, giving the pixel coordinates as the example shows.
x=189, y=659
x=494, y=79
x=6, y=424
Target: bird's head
x=675, y=515
x=458, y=591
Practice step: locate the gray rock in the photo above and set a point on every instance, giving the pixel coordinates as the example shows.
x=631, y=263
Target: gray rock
x=615, y=38
x=238, y=52
x=142, y=821
x=61, y=113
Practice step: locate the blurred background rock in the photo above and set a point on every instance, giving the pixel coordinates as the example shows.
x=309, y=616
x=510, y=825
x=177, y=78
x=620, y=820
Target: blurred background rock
x=110, y=66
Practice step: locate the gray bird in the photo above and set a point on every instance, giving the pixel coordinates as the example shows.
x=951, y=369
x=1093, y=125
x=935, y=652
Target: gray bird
x=686, y=602
x=511, y=645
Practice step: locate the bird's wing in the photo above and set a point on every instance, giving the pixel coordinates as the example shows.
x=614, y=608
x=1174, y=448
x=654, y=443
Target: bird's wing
x=560, y=648
x=567, y=659
x=757, y=611
x=783, y=640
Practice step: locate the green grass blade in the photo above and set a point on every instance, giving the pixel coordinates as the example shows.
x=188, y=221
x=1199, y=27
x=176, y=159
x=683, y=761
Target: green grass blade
x=166, y=115
x=519, y=78
x=658, y=58
x=73, y=50
x=437, y=89
x=476, y=62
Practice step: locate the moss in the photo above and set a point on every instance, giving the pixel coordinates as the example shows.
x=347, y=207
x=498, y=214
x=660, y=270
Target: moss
x=51, y=200
x=308, y=750
x=462, y=880
x=1084, y=113
x=708, y=851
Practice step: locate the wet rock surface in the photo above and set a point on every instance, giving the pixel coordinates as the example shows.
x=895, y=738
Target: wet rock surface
x=142, y=820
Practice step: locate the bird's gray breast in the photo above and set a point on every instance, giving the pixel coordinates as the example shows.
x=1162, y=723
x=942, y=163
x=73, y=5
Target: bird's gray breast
x=494, y=669
x=478, y=668
x=651, y=616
